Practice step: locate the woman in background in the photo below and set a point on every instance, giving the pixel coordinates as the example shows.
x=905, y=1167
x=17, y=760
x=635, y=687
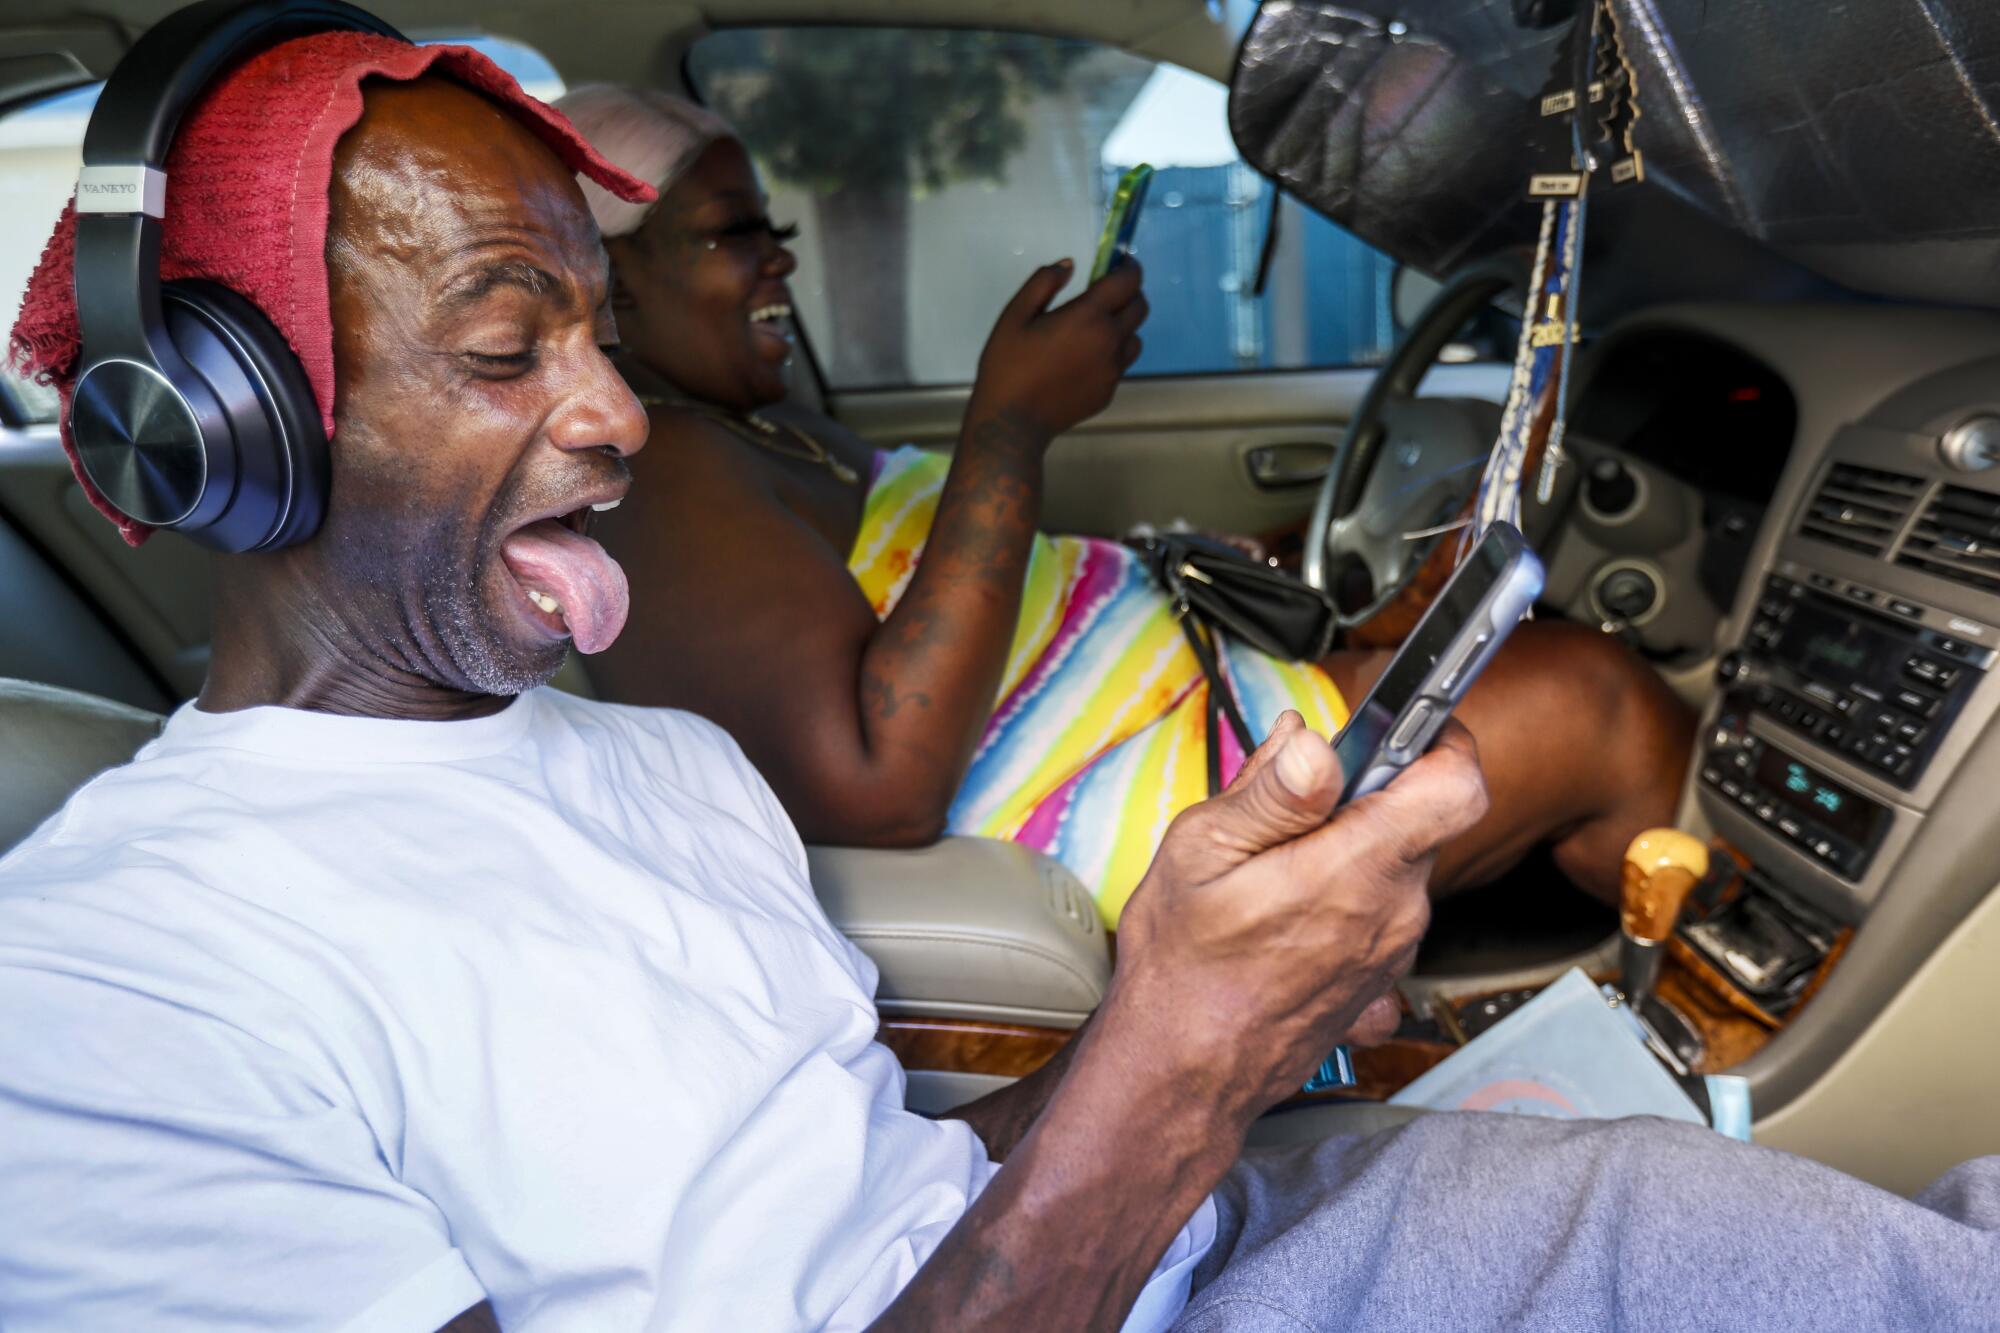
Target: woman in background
x=899, y=649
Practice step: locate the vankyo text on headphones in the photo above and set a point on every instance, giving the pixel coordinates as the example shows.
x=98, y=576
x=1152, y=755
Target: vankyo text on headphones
x=191, y=411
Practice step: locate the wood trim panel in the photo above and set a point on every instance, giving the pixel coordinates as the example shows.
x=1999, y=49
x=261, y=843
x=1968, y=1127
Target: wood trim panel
x=1007, y=1050
x=1732, y=1026
x=1729, y=1036
x=963, y=1046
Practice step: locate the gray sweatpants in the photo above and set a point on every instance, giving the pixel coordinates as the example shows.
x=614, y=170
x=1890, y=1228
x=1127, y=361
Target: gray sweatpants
x=1497, y=1221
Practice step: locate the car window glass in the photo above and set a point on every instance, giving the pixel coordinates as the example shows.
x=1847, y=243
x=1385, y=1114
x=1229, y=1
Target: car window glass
x=931, y=170
x=41, y=148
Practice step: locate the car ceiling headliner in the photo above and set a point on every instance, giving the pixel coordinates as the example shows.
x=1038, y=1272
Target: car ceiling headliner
x=1792, y=147
x=643, y=40
x=1850, y=148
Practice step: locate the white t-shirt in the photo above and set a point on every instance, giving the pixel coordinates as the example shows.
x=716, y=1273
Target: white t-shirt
x=322, y=1022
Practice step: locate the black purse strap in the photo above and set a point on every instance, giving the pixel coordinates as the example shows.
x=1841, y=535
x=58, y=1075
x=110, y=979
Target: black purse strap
x=1221, y=699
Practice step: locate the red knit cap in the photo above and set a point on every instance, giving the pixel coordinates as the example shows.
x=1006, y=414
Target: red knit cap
x=247, y=202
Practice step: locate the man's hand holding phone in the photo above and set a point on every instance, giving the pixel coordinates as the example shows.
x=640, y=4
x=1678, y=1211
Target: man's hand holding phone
x=1266, y=932
x=1263, y=933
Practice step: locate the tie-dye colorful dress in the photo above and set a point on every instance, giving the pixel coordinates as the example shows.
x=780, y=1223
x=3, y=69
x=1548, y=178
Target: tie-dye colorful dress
x=1099, y=735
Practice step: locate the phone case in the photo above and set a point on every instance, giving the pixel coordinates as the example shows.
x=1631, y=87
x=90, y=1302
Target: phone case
x=1121, y=221
x=1473, y=646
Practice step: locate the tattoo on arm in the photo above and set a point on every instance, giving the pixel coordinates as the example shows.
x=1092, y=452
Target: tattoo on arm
x=992, y=1277
x=1008, y=447
x=927, y=677
x=883, y=699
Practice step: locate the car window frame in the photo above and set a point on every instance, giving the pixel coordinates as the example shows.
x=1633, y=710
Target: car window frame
x=690, y=87
x=14, y=414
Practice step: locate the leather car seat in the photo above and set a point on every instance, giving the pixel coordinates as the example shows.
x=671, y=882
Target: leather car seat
x=52, y=741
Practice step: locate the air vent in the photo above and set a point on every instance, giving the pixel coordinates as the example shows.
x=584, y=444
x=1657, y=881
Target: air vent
x=1958, y=538
x=1860, y=508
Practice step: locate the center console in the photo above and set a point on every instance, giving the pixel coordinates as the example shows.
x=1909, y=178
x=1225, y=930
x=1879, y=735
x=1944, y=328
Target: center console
x=1836, y=670
x=1838, y=948
x=1850, y=762
x=1847, y=704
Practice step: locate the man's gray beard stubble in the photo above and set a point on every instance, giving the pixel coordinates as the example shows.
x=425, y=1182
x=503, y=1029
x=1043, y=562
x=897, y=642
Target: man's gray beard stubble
x=465, y=626
x=448, y=620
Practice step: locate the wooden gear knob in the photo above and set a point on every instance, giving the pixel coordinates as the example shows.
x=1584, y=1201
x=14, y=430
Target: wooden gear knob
x=1661, y=866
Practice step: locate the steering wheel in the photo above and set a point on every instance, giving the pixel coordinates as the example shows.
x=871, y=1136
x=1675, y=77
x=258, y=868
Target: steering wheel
x=1407, y=464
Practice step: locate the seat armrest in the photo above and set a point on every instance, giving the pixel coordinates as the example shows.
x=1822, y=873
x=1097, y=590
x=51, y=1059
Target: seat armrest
x=971, y=928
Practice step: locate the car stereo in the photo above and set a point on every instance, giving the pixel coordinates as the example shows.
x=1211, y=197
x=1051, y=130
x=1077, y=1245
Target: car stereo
x=1847, y=667
x=1851, y=671
x=1832, y=823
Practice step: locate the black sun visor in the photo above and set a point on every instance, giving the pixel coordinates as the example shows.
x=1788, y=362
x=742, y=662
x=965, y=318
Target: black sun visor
x=1791, y=147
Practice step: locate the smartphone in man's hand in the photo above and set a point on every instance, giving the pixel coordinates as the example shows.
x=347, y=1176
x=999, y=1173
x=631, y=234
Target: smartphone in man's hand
x=1458, y=635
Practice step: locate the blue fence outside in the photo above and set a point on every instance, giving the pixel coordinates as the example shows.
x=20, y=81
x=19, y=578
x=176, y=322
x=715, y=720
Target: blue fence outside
x=1200, y=239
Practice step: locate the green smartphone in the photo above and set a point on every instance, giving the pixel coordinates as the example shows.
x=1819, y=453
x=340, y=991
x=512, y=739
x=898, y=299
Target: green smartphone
x=1115, y=246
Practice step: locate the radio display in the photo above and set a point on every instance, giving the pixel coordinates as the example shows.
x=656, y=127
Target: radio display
x=1814, y=796
x=1827, y=646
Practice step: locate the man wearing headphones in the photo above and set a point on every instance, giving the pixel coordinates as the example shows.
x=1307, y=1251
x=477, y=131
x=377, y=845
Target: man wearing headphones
x=388, y=989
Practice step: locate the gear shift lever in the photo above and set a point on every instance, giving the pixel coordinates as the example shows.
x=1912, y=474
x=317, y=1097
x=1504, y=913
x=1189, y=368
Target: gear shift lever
x=1661, y=867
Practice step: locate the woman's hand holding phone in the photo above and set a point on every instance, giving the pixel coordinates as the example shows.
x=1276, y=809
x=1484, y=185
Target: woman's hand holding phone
x=1056, y=368
x=1121, y=221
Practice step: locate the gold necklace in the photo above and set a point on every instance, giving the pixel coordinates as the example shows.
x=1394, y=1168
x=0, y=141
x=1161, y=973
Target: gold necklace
x=761, y=432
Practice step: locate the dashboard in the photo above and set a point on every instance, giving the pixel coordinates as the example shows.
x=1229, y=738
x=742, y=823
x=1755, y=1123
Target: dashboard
x=1710, y=418
x=1816, y=493
x=1694, y=406
x=1680, y=439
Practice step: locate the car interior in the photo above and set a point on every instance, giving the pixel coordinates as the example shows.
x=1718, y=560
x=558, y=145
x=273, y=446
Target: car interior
x=1779, y=489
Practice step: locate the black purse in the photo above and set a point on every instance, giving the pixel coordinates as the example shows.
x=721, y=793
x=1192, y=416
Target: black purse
x=1217, y=589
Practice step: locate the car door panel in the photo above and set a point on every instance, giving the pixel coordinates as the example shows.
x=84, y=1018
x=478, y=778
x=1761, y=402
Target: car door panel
x=1198, y=448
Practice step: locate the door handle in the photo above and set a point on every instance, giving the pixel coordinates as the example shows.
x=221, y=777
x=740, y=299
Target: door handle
x=1274, y=466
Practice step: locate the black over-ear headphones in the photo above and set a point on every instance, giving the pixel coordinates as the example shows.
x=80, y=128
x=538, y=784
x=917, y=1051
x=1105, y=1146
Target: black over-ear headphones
x=191, y=411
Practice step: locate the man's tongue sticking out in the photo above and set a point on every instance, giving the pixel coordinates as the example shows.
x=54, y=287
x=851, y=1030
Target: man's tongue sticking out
x=556, y=561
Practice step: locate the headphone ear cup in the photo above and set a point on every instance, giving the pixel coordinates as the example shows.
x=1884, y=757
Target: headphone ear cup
x=282, y=467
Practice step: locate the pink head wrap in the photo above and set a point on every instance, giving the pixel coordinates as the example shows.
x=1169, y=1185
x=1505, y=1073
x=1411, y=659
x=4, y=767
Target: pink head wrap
x=653, y=135
x=247, y=199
